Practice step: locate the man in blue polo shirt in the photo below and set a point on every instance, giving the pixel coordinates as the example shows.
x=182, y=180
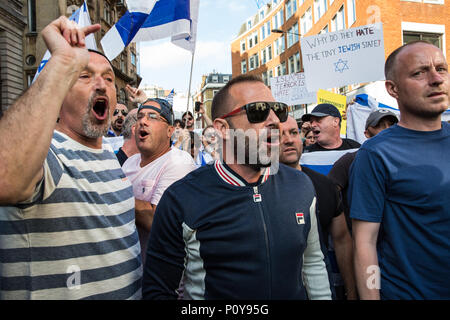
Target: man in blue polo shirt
x=400, y=186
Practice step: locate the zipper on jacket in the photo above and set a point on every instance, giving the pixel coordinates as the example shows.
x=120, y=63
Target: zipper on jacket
x=257, y=198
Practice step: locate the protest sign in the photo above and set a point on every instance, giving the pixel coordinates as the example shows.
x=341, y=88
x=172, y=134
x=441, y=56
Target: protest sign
x=343, y=57
x=337, y=100
x=291, y=89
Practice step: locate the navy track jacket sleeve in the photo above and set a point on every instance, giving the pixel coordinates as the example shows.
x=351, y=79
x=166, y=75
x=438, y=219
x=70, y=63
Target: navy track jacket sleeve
x=165, y=252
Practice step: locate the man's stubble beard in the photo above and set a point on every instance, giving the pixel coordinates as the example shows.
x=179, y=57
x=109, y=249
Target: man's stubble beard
x=91, y=129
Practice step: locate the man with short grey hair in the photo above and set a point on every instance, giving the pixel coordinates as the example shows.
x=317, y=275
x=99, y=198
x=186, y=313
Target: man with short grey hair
x=129, y=147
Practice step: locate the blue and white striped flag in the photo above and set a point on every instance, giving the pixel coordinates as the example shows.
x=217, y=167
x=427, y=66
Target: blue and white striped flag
x=322, y=161
x=82, y=18
x=152, y=20
x=169, y=97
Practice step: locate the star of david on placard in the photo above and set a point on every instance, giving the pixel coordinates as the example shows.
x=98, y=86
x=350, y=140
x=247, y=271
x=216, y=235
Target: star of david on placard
x=341, y=65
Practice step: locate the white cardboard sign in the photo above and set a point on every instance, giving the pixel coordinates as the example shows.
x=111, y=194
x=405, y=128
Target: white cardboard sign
x=291, y=89
x=344, y=57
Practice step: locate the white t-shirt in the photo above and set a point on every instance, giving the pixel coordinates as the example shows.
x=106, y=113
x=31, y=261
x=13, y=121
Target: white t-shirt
x=150, y=182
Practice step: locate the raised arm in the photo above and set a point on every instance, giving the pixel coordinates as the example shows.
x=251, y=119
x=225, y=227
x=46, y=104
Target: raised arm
x=135, y=95
x=26, y=128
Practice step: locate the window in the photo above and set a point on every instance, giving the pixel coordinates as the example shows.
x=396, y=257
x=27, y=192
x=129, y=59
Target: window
x=341, y=19
x=320, y=7
x=123, y=64
x=265, y=30
x=434, y=38
x=244, y=66
x=107, y=12
x=133, y=59
x=32, y=16
x=269, y=52
x=278, y=19
x=283, y=68
x=215, y=78
x=253, y=62
x=252, y=39
x=264, y=78
x=291, y=64
x=291, y=8
x=279, y=45
x=263, y=56
x=298, y=62
x=351, y=12
x=242, y=45
x=292, y=35
x=226, y=79
x=306, y=21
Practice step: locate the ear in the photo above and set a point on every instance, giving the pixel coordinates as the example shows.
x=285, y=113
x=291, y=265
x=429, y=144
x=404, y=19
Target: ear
x=170, y=130
x=391, y=88
x=133, y=130
x=366, y=133
x=222, y=127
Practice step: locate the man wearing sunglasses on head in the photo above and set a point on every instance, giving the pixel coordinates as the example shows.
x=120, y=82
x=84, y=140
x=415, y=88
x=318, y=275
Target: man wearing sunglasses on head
x=245, y=226
x=119, y=114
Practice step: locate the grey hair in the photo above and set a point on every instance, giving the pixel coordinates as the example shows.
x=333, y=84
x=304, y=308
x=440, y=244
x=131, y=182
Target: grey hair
x=128, y=123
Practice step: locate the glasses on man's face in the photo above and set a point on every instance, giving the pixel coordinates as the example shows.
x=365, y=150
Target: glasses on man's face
x=259, y=111
x=188, y=119
x=116, y=112
x=150, y=116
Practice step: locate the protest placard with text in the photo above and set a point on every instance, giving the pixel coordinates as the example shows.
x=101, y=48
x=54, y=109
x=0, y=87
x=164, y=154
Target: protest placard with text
x=337, y=100
x=344, y=57
x=291, y=89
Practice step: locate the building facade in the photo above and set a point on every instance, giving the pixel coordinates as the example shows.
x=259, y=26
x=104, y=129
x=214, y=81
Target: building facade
x=259, y=50
x=211, y=84
x=12, y=25
x=105, y=12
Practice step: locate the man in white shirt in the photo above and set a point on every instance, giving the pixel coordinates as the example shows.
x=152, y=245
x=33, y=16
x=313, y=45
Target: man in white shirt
x=157, y=165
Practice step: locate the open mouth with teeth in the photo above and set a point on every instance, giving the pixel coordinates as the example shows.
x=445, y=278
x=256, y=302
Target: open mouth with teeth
x=100, y=109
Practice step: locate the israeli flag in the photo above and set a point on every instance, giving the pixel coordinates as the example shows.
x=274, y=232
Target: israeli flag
x=169, y=97
x=82, y=18
x=151, y=20
x=358, y=112
x=322, y=161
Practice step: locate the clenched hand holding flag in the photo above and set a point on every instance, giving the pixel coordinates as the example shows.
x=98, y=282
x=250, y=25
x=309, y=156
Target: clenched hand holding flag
x=148, y=20
x=81, y=17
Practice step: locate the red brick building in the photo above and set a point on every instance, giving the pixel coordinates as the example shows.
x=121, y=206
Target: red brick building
x=258, y=50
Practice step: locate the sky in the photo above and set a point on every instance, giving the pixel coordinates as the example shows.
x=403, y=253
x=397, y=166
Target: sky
x=168, y=66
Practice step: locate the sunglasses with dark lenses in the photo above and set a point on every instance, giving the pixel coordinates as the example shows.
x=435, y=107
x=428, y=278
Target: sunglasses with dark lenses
x=259, y=111
x=116, y=112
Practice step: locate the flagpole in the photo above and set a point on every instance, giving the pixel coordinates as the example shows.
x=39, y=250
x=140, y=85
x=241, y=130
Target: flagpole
x=190, y=82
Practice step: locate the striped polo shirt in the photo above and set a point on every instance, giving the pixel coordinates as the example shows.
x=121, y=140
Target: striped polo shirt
x=76, y=237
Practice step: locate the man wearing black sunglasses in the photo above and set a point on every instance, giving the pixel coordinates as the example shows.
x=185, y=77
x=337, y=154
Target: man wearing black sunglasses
x=117, y=120
x=241, y=228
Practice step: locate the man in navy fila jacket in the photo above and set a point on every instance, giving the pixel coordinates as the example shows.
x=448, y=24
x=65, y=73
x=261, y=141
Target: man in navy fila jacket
x=244, y=227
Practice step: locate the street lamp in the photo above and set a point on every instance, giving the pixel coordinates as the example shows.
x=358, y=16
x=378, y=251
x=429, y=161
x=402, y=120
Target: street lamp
x=281, y=31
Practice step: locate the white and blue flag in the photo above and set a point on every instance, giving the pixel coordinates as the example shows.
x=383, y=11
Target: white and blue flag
x=151, y=20
x=169, y=97
x=82, y=18
x=322, y=161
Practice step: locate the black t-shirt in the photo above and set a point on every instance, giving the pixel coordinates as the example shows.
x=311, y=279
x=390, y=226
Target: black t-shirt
x=329, y=204
x=121, y=156
x=346, y=145
x=339, y=175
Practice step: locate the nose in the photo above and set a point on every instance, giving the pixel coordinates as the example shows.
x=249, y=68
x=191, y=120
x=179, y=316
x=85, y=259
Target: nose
x=100, y=84
x=435, y=77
